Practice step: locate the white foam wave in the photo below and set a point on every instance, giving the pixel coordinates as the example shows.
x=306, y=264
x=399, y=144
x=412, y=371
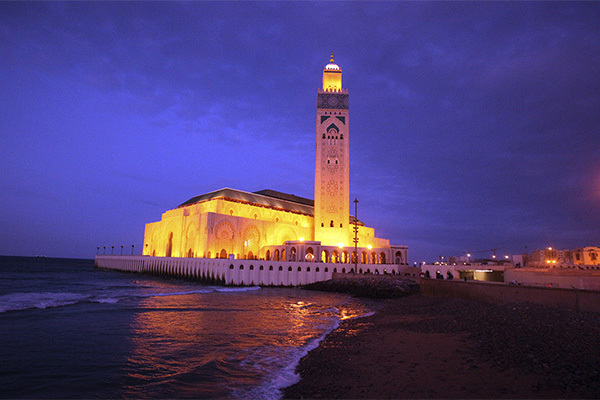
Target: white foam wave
x=24, y=301
x=285, y=375
x=178, y=293
x=238, y=289
x=110, y=300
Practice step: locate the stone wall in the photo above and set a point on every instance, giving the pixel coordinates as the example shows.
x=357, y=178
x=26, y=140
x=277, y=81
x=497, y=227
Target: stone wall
x=236, y=272
x=580, y=300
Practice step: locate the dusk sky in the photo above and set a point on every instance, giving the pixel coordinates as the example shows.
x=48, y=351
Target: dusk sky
x=472, y=125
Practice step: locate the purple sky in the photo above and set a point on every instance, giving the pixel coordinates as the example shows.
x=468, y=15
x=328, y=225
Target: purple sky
x=472, y=125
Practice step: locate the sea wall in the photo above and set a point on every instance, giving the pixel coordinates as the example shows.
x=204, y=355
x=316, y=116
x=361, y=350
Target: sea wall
x=575, y=299
x=237, y=272
x=555, y=277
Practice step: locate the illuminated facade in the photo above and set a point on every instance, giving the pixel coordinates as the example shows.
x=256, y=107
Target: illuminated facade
x=270, y=225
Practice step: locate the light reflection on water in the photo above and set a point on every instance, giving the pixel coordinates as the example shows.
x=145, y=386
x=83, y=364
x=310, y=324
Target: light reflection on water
x=227, y=344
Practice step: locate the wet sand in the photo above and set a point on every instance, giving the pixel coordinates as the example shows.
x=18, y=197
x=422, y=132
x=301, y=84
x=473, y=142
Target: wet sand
x=438, y=347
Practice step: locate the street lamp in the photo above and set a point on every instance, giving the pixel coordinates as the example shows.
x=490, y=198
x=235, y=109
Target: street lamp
x=121, y=249
x=132, y=246
x=104, y=250
x=112, y=250
x=355, y=235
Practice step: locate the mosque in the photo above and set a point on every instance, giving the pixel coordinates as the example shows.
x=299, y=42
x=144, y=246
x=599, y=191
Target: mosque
x=270, y=225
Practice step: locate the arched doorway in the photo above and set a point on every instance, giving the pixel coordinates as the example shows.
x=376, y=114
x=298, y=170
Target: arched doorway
x=398, y=257
x=223, y=254
x=268, y=255
x=169, y=245
x=324, y=256
x=335, y=257
x=293, y=254
x=382, y=258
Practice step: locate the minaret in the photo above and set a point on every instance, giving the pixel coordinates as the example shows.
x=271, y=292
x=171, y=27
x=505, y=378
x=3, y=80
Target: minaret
x=332, y=163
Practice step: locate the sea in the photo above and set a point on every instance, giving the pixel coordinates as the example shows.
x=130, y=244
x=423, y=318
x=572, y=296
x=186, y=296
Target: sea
x=69, y=330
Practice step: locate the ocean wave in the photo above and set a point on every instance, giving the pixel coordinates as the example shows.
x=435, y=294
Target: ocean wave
x=238, y=289
x=24, y=301
x=200, y=291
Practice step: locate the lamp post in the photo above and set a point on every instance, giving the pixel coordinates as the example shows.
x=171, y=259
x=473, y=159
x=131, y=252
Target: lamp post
x=132, y=246
x=121, y=249
x=112, y=250
x=355, y=235
x=104, y=250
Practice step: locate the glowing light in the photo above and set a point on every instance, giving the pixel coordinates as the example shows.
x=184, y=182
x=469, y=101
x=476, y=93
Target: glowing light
x=341, y=245
x=468, y=254
x=369, y=247
x=549, y=248
x=506, y=256
x=302, y=239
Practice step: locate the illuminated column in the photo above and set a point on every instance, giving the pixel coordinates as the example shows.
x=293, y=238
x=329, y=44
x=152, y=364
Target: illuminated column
x=332, y=164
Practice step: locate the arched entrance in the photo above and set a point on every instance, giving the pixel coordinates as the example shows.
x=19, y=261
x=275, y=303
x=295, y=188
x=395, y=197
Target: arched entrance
x=169, y=245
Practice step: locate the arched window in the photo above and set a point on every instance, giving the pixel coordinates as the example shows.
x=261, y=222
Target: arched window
x=261, y=268
x=280, y=268
x=290, y=269
x=252, y=267
x=241, y=267
x=324, y=136
x=331, y=224
x=299, y=269
x=342, y=136
x=231, y=266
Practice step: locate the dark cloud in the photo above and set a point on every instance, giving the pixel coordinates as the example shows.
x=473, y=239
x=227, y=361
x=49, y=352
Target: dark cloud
x=473, y=125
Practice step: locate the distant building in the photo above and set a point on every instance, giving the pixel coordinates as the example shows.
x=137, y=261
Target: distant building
x=550, y=256
x=271, y=225
x=586, y=255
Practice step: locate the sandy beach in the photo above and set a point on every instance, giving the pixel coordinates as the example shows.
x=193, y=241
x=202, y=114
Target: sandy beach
x=438, y=347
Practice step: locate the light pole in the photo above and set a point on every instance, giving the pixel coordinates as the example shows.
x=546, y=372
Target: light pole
x=132, y=246
x=104, y=250
x=355, y=235
x=121, y=249
x=112, y=250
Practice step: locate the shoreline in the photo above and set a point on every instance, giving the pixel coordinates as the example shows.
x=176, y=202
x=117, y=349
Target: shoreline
x=440, y=347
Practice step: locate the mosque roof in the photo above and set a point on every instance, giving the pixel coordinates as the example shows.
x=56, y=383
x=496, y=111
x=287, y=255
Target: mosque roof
x=265, y=198
x=262, y=198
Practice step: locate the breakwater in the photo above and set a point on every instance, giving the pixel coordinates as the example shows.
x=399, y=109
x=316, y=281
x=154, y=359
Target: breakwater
x=367, y=286
x=238, y=272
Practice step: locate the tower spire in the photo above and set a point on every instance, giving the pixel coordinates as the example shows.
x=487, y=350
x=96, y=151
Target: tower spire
x=331, y=59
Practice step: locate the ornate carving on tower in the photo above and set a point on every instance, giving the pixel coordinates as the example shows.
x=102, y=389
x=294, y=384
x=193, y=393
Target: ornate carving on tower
x=335, y=101
x=332, y=183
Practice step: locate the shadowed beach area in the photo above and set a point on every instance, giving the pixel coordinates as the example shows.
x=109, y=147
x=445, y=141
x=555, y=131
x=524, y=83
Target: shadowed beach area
x=440, y=347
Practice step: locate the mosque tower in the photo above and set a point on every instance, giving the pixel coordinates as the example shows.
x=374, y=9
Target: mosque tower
x=332, y=163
